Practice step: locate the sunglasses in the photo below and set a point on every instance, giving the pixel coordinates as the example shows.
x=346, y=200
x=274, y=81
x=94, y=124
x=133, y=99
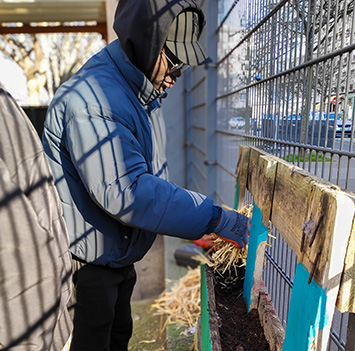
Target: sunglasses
x=175, y=66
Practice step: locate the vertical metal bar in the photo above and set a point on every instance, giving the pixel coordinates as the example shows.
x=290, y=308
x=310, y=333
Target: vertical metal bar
x=280, y=259
x=350, y=146
x=279, y=89
x=303, y=113
x=248, y=91
x=350, y=338
x=188, y=126
x=269, y=71
x=318, y=26
x=330, y=85
x=345, y=114
x=291, y=87
x=298, y=29
x=259, y=64
x=264, y=31
x=211, y=93
x=309, y=35
x=285, y=306
x=273, y=273
x=352, y=33
x=285, y=42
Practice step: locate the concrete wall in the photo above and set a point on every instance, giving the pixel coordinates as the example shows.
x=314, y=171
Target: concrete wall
x=110, y=15
x=174, y=113
x=151, y=271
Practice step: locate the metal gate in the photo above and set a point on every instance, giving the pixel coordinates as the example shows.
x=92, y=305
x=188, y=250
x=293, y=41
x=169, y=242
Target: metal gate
x=283, y=79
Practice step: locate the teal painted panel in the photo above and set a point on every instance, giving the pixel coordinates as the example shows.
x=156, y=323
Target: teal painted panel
x=307, y=312
x=236, y=196
x=258, y=233
x=206, y=342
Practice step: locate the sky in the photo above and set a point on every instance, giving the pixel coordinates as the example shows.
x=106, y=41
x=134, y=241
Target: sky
x=13, y=80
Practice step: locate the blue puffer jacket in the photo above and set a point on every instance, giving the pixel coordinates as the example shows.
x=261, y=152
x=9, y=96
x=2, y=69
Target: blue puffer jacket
x=105, y=140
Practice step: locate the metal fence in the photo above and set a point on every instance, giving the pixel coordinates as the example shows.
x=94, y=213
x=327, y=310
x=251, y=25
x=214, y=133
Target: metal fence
x=283, y=80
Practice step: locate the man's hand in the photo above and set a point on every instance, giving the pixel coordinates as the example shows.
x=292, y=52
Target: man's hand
x=233, y=227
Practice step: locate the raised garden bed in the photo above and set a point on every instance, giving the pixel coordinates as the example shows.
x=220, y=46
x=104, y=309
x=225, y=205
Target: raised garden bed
x=238, y=330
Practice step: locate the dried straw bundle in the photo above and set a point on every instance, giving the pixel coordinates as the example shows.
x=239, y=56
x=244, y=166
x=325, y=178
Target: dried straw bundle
x=224, y=256
x=182, y=303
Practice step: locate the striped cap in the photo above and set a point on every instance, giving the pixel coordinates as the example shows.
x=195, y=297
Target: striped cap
x=183, y=37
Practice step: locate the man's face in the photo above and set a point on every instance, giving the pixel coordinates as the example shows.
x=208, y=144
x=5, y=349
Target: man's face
x=161, y=77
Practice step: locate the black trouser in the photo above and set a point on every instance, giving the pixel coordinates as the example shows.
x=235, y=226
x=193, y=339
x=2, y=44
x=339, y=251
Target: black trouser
x=102, y=310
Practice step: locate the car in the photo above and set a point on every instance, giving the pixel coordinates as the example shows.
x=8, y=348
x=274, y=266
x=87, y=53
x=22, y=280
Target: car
x=293, y=117
x=347, y=128
x=330, y=116
x=237, y=122
x=330, y=119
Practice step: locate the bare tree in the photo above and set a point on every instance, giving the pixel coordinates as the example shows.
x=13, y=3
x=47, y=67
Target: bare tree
x=324, y=28
x=299, y=34
x=49, y=59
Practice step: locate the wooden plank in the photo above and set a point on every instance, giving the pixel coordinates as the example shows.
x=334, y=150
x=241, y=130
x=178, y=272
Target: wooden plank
x=290, y=202
x=316, y=219
x=256, y=250
x=261, y=181
x=210, y=337
x=254, y=290
x=242, y=176
x=206, y=342
x=253, y=180
x=346, y=296
x=311, y=207
x=212, y=310
x=302, y=207
x=310, y=315
x=264, y=193
x=273, y=330
x=328, y=223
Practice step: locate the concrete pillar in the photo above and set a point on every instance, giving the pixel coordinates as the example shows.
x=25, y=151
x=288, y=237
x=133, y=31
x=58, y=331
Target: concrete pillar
x=150, y=272
x=110, y=13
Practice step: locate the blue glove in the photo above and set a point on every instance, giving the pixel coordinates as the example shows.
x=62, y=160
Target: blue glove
x=233, y=227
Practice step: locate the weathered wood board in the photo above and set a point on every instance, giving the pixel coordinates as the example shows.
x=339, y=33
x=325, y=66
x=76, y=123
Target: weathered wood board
x=242, y=175
x=305, y=209
x=261, y=181
x=273, y=330
x=346, y=296
x=314, y=217
x=210, y=337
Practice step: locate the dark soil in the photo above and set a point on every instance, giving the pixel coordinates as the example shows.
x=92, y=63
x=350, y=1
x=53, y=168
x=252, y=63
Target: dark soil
x=239, y=330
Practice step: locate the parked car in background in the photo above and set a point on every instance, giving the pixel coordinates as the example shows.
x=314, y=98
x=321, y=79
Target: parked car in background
x=325, y=116
x=339, y=129
x=330, y=119
x=237, y=123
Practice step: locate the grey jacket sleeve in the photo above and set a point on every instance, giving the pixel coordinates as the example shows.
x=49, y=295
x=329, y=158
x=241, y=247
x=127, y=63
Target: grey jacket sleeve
x=30, y=275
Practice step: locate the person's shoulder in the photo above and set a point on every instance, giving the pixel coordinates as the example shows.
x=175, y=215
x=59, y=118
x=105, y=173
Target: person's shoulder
x=8, y=102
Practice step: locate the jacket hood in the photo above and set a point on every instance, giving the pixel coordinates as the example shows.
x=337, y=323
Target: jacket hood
x=143, y=26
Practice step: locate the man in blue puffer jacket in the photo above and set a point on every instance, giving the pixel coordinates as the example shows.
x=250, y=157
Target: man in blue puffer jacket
x=105, y=140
